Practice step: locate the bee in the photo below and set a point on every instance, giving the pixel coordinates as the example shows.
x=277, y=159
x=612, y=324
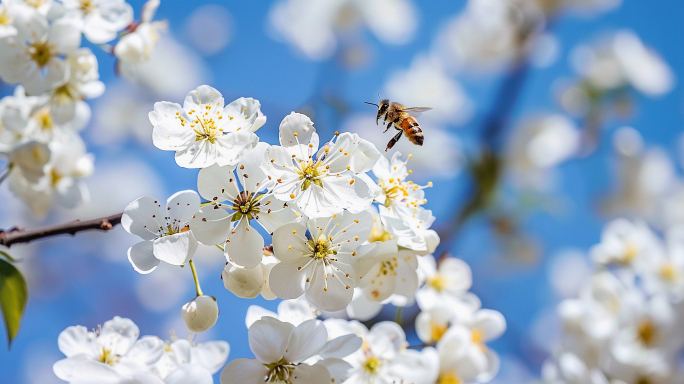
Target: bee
x=404, y=120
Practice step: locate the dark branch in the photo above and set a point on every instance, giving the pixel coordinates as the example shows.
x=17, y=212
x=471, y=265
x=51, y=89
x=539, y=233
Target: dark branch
x=19, y=235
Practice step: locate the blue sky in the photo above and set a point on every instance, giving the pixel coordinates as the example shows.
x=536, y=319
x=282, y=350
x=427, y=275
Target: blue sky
x=77, y=286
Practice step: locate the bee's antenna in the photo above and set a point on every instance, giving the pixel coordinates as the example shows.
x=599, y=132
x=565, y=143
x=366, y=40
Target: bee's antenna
x=379, y=98
x=372, y=104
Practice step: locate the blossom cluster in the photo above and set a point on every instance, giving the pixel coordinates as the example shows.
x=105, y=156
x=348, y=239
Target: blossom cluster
x=343, y=245
x=625, y=325
x=115, y=353
x=41, y=52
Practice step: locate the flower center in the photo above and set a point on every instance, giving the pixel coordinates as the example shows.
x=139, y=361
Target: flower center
x=43, y=119
x=108, y=357
x=669, y=272
x=86, y=7
x=449, y=378
x=397, y=190
x=4, y=18
x=478, y=338
x=646, y=332
x=643, y=380
x=630, y=253
x=378, y=233
x=371, y=365
x=437, y=330
x=41, y=52
x=279, y=372
x=35, y=3
x=321, y=249
x=63, y=94
x=247, y=205
x=55, y=177
x=310, y=172
x=438, y=282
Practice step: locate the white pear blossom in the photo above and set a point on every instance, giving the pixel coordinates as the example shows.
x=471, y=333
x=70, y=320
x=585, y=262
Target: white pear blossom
x=83, y=84
x=184, y=362
x=228, y=220
x=383, y=356
x=248, y=283
x=314, y=27
x=201, y=313
x=282, y=351
x=463, y=357
x=384, y=270
x=626, y=243
x=490, y=34
x=34, y=57
x=401, y=211
x=321, y=182
x=203, y=131
x=112, y=354
x=164, y=230
x=447, y=283
x=62, y=180
x=319, y=264
x=294, y=312
x=537, y=146
x=102, y=19
x=135, y=47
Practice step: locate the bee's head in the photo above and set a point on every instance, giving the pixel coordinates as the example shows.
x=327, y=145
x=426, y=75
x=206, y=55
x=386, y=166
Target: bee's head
x=382, y=109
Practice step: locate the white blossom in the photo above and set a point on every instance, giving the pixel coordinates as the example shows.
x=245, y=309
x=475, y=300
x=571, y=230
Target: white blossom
x=319, y=265
x=228, y=220
x=282, y=351
x=321, y=182
x=203, y=132
x=165, y=232
x=200, y=314
x=135, y=48
x=102, y=19
x=34, y=57
x=114, y=352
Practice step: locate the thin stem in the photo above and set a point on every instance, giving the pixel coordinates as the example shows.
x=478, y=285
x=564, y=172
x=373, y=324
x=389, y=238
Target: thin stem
x=19, y=235
x=194, y=276
x=221, y=247
x=397, y=317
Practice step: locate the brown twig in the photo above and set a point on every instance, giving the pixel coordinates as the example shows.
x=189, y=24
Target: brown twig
x=19, y=235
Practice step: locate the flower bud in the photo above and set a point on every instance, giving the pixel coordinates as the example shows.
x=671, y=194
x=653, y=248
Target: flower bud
x=200, y=314
x=246, y=283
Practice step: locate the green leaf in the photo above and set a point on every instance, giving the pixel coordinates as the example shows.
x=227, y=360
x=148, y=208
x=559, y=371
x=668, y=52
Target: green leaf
x=8, y=257
x=13, y=297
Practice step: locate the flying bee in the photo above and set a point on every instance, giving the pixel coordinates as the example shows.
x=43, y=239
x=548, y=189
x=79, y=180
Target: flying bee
x=404, y=120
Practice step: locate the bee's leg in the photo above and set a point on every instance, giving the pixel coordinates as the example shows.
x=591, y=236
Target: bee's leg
x=389, y=124
x=393, y=141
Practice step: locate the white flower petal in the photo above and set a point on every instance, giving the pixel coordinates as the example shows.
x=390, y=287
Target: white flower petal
x=141, y=256
x=246, y=283
x=189, y=374
x=302, y=126
x=244, y=371
x=329, y=293
x=211, y=355
x=217, y=183
x=143, y=217
x=310, y=374
x=290, y=242
x=211, y=225
x=176, y=249
x=268, y=339
x=307, y=339
x=287, y=278
x=74, y=341
x=245, y=245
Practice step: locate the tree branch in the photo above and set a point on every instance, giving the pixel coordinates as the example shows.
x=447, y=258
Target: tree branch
x=19, y=235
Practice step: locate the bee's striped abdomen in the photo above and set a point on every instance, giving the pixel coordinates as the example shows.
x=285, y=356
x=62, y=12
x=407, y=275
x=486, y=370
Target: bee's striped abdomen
x=412, y=130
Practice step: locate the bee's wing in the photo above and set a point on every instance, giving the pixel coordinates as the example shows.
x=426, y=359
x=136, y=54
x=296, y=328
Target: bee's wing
x=415, y=111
